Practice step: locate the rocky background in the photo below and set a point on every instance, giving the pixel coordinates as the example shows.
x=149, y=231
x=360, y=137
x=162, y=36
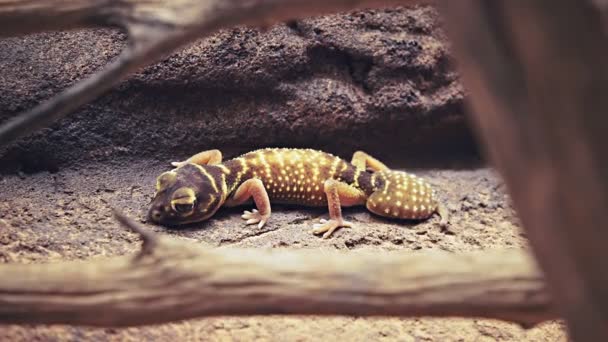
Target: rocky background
x=378, y=80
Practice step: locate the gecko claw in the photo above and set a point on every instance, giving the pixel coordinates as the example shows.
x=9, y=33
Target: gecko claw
x=254, y=217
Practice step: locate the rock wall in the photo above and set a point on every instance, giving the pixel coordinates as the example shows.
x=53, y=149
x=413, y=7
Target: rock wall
x=376, y=80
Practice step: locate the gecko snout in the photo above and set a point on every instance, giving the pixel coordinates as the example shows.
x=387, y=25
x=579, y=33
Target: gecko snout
x=162, y=214
x=156, y=214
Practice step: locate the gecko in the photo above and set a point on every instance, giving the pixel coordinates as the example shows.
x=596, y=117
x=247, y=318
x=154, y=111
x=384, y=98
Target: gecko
x=196, y=188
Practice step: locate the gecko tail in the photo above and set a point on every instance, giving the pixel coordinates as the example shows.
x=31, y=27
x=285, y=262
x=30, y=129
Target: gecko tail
x=401, y=195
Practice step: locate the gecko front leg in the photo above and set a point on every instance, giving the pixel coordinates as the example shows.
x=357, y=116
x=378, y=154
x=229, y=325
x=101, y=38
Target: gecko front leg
x=252, y=188
x=338, y=194
x=362, y=160
x=209, y=157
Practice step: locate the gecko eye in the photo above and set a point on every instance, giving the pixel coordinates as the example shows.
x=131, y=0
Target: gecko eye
x=183, y=208
x=183, y=201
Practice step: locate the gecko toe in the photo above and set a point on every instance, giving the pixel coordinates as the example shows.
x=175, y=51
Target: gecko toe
x=252, y=221
x=254, y=217
x=261, y=224
x=328, y=227
x=329, y=232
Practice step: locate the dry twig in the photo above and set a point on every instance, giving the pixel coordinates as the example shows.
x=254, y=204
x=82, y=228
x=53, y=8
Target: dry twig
x=174, y=280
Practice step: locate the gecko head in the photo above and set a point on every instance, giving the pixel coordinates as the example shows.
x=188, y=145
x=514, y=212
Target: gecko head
x=190, y=193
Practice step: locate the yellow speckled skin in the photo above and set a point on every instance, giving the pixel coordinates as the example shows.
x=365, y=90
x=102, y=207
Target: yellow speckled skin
x=402, y=195
x=291, y=176
x=199, y=186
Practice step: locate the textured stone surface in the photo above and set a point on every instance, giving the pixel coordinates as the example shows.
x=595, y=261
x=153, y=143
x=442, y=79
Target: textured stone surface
x=378, y=80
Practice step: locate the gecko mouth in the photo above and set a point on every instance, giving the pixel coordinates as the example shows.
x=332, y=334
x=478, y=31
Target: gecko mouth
x=160, y=215
x=169, y=219
x=156, y=215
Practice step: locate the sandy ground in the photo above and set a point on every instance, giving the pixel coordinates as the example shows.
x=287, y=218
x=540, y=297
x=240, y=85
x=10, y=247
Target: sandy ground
x=66, y=215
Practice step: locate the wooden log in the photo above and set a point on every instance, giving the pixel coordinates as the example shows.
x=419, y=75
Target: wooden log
x=173, y=280
x=538, y=78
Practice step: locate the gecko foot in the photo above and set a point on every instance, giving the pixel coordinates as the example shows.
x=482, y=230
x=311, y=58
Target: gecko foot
x=254, y=217
x=179, y=164
x=329, y=226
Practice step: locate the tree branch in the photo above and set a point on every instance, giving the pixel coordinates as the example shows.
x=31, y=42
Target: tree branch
x=27, y=16
x=537, y=76
x=156, y=29
x=19, y=17
x=176, y=280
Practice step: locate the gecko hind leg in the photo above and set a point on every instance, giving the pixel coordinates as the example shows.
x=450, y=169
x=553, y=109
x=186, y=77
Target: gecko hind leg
x=209, y=157
x=362, y=160
x=338, y=194
x=252, y=188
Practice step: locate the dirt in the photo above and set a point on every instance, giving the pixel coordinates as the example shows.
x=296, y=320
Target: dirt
x=65, y=215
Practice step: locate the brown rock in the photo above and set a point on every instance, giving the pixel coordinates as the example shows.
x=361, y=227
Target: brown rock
x=377, y=80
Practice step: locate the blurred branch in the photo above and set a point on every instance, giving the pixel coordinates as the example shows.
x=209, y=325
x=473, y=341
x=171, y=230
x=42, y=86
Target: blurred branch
x=173, y=280
x=538, y=78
